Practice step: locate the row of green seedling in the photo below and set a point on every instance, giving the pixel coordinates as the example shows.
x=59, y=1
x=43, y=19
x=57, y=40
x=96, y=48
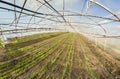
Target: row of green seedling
x=50, y=63
x=29, y=48
x=35, y=58
x=69, y=61
x=39, y=73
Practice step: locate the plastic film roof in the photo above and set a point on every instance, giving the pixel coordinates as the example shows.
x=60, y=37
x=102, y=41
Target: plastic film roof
x=94, y=17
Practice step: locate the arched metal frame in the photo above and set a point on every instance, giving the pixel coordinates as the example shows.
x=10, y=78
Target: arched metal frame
x=56, y=16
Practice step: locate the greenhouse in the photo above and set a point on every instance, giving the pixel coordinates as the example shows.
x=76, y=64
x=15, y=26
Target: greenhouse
x=59, y=39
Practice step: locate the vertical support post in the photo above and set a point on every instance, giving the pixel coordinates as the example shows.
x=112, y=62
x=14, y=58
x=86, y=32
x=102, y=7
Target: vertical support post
x=4, y=39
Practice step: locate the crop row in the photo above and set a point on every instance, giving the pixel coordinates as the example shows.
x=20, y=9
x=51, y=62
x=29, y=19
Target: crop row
x=24, y=65
x=55, y=71
x=21, y=51
x=65, y=56
x=69, y=60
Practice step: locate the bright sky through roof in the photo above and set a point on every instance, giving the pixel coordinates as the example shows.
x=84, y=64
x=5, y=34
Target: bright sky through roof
x=73, y=6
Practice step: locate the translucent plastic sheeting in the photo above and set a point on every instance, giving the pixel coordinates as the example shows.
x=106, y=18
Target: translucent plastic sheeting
x=97, y=19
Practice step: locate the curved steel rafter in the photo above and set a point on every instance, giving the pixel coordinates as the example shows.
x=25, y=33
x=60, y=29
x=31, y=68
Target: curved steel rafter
x=63, y=16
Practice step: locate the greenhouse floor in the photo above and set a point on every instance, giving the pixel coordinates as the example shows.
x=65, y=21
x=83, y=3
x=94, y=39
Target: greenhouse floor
x=57, y=55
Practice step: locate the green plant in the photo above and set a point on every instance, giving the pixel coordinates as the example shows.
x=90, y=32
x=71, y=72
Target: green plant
x=1, y=43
